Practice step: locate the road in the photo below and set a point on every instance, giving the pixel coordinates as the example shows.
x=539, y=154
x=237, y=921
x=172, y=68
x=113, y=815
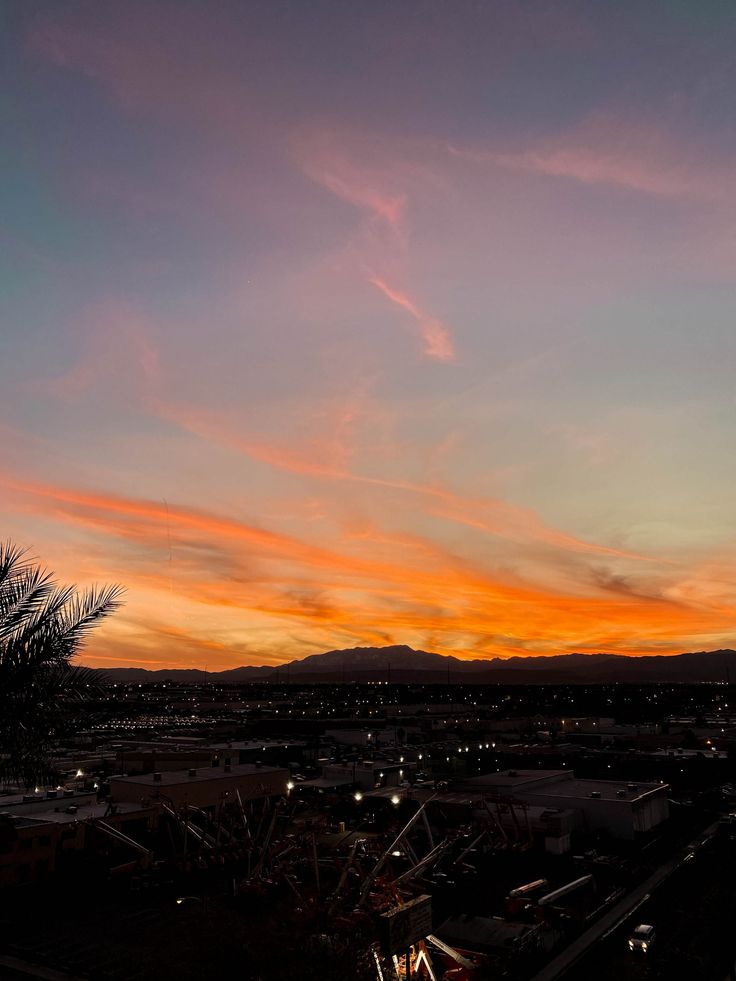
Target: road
x=611, y=921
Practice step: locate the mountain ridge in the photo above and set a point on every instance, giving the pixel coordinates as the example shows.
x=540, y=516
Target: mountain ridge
x=402, y=664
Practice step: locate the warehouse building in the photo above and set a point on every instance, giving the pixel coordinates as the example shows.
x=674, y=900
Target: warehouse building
x=204, y=787
x=625, y=810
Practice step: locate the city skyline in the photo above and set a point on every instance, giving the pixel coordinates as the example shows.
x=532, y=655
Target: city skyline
x=327, y=326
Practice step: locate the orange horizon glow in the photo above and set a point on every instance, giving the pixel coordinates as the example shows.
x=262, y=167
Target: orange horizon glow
x=409, y=590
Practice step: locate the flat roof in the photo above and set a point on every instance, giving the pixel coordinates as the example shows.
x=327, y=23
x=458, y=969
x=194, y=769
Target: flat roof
x=258, y=744
x=516, y=777
x=16, y=800
x=84, y=812
x=325, y=783
x=610, y=790
x=563, y=783
x=169, y=778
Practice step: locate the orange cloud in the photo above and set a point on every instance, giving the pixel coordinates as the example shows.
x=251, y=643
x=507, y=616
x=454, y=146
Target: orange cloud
x=387, y=587
x=490, y=515
x=96, y=507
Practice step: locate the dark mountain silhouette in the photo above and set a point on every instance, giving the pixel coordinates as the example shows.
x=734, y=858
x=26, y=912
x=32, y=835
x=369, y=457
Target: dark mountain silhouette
x=403, y=664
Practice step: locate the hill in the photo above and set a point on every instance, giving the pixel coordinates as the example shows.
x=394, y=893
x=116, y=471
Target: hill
x=402, y=664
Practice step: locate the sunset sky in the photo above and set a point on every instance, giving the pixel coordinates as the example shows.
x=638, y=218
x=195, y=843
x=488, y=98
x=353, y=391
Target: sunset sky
x=350, y=322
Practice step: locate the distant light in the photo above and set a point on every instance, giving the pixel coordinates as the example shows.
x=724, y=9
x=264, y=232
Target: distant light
x=290, y=785
x=395, y=799
x=357, y=795
x=80, y=773
x=396, y=854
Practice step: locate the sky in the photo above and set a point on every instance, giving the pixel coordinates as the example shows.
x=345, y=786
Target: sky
x=355, y=323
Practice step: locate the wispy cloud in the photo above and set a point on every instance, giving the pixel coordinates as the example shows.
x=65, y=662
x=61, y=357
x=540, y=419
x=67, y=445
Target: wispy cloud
x=408, y=585
x=116, y=348
x=490, y=515
x=620, y=152
x=377, y=181
x=351, y=167
x=437, y=341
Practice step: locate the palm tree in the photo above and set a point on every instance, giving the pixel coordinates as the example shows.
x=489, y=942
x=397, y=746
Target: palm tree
x=42, y=628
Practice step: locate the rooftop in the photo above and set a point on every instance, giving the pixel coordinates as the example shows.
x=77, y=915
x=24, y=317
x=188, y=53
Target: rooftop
x=608, y=789
x=261, y=744
x=84, y=812
x=168, y=778
x=517, y=778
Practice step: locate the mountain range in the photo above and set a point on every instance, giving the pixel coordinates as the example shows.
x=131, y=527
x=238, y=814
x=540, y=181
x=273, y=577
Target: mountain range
x=401, y=664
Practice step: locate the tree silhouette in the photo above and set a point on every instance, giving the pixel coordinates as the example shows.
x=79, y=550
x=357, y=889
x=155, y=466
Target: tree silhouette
x=42, y=628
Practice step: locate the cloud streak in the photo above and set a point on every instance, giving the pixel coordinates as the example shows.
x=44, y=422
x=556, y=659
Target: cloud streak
x=436, y=337
x=227, y=569
x=491, y=515
x=620, y=152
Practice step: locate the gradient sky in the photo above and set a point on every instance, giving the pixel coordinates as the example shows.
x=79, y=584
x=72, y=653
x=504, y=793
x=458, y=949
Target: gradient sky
x=350, y=322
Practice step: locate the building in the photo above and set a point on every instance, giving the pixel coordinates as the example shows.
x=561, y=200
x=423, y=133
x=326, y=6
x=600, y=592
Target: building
x=205, y=787
x=48, y=835
x=363, y=774
x=622, y=809
x=275, y=752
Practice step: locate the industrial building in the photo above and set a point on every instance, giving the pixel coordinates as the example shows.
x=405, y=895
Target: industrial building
x=622, y=809
x=204, y=787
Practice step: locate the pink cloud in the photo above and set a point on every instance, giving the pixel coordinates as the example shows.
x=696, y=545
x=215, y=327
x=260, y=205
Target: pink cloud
x=437, y=341
x=377, y=179
x=360, y=169
x=116, y=343
x=633, y=154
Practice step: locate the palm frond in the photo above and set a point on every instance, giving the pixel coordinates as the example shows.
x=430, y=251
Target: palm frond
x=42, y=628
x=82, y=612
